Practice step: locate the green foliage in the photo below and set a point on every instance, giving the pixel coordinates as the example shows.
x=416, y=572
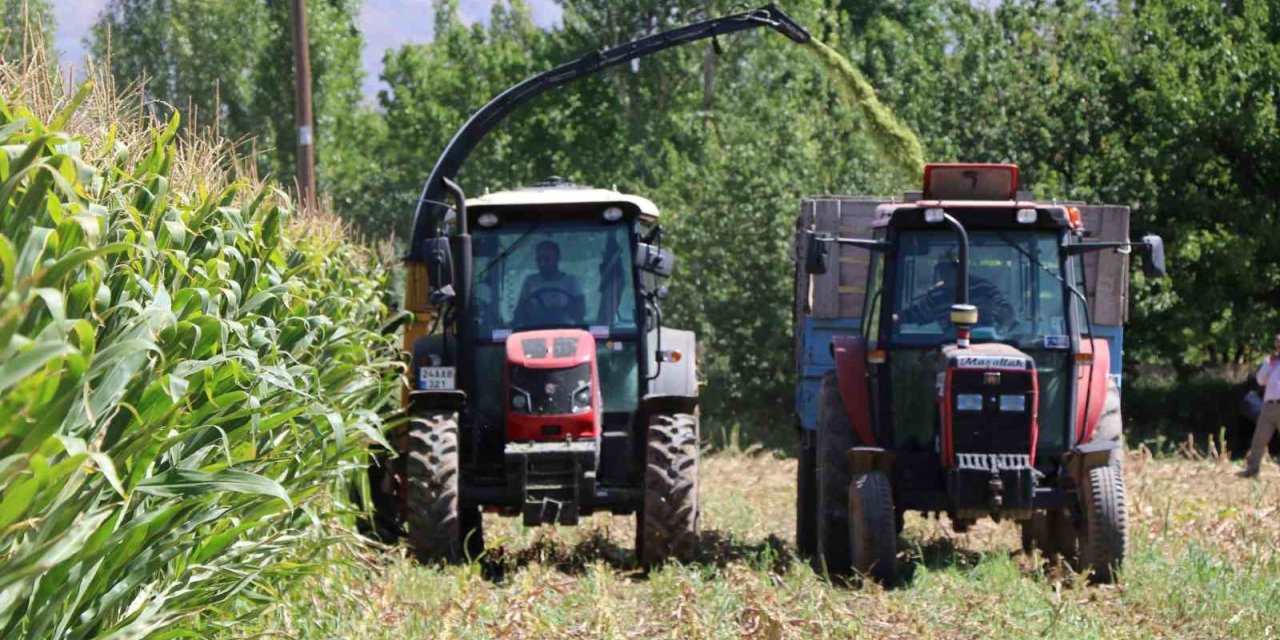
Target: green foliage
x=25, y=25
x=185, y=375
x=246, y=82
x=1167, y=106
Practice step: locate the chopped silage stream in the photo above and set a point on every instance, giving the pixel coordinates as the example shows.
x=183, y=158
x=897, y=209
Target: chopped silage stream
x=898, y=143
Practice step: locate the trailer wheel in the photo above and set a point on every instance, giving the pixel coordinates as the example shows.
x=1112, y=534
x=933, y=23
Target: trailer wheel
x=1106, y=523
x=835, y=437
x=873, y=538
x=806, y=496
x=667, y=523
x=438, y=524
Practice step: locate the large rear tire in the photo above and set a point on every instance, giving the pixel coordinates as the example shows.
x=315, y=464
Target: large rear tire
x=835, y=438
x=873, y=538
x=1106, y=523
x=806, y=495
x=667, y=524
x=438, y=523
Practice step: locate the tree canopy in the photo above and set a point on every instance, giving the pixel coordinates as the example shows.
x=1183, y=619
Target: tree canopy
x=1167, y=106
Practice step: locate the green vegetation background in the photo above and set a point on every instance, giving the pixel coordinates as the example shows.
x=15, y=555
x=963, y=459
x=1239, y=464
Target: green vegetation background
x=1168, y=106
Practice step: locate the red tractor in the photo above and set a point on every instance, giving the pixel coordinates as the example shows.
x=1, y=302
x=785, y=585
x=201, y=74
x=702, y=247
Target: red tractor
x=962, y=360
x=543, y=382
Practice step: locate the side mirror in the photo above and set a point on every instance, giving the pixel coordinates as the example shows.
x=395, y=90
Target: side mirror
x=439, y=262
x=815, y=253
x=654, y=260
x=1153, y=266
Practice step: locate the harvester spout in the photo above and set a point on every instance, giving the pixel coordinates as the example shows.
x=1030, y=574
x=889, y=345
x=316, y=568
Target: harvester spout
x=774, y=17
x=429, y=216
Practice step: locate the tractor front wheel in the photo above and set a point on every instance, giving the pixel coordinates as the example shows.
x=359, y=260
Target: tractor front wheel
x=667, y=523
x=439, y=525
x=873, y=537
x=831, y=510
x=1106, y=523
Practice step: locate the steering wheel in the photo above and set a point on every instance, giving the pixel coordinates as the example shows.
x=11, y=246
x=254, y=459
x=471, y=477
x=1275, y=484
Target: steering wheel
x=538, y=296
x=546, y=310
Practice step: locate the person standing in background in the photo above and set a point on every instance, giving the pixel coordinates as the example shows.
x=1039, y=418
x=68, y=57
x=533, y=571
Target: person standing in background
x=1269, y=419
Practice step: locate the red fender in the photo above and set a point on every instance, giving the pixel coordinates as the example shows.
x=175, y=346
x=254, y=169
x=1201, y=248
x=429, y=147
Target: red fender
x=851, y=377
x=1091, y=383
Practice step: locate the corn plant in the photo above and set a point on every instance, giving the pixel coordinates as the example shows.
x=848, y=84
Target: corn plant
x=184, y=379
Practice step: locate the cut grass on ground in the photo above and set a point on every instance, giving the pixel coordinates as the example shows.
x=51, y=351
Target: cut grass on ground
x=1203, y=564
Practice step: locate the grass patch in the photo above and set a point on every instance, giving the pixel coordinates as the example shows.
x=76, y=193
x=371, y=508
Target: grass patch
x=1203, y=564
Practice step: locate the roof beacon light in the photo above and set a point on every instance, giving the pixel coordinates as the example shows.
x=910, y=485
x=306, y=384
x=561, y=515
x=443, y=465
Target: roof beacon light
x=934, y=215
x=1027, y=216
x=613, y=214
x=487, y=219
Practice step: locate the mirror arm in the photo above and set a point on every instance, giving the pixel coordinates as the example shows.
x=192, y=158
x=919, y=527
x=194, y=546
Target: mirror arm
x=869, y=245
x=1088, y=247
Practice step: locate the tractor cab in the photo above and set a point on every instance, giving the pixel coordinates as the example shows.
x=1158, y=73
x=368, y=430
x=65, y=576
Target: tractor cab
x=548, y=364
x=974, y=379
x=558, y=262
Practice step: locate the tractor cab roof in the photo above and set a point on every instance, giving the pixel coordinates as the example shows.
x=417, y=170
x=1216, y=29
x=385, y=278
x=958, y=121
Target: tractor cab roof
x=559, y=193
x=981, y=195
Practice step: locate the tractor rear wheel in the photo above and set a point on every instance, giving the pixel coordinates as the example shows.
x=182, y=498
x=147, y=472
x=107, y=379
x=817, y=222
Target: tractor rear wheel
x=1106, y=523
x=667, y=524
x=806, y=498
x=873, y=538
x=439, y=525
x=835, y=437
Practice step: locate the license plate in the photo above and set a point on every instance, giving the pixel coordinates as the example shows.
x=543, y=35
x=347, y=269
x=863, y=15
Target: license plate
x=437, y=378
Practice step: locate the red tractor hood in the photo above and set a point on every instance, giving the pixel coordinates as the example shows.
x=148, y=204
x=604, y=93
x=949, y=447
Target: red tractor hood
x=550, y=349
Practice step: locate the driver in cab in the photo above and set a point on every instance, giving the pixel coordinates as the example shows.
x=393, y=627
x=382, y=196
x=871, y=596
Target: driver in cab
x=550, y=296
x=935, y=304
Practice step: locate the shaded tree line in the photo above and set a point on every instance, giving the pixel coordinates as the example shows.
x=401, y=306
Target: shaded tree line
x=1167, y=106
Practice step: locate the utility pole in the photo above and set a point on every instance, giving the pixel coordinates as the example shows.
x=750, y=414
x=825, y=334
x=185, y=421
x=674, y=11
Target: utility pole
x=302, y=73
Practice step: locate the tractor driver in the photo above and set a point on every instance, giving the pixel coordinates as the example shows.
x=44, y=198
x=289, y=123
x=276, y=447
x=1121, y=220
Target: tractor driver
x=550, y=296
x=935, y=304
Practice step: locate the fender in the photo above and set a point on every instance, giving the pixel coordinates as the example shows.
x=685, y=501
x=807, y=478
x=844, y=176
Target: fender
x=851, y=376
x=1089, y=456
x=450, y=400
x=1091, y=385
x=652, y=405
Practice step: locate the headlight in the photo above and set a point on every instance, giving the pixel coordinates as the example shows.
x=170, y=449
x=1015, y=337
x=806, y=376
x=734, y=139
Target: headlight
x=968, y=402
x=519, y=400
x=582, y=399
x=1013, y=404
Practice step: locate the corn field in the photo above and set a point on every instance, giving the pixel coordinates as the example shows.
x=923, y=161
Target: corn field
x=188, y=370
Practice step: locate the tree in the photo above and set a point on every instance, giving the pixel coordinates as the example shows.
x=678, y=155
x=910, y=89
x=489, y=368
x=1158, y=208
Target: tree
x=244, y=83
x=19, y=22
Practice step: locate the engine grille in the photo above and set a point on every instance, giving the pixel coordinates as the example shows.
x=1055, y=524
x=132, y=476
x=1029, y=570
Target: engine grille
x=550, y=391
x=991, y=429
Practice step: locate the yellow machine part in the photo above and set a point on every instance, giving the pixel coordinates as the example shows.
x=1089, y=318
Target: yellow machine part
x=424, y=316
